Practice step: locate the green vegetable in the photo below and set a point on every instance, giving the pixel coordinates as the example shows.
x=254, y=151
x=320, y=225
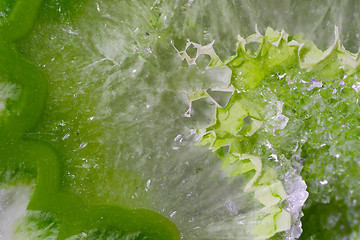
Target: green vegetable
x=113, y=140
x=285, y=97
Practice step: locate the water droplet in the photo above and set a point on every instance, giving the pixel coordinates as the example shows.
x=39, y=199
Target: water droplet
x=325, y=182
x=82, y=145
x=148, y=185
x=66, y=136
x=172, y=214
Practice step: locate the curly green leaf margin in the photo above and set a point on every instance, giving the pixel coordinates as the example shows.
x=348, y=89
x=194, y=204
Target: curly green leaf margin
x=275, y=51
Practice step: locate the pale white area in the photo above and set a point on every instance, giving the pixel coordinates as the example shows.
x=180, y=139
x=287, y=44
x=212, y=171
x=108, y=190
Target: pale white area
x=13, y=203
x=7, y=91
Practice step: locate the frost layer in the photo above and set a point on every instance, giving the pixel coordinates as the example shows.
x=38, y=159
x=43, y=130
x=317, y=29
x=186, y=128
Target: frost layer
x=116, y=88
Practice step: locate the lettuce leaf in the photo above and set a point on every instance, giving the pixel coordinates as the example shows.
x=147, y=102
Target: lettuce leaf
x=117, y=94
x=285, y=93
